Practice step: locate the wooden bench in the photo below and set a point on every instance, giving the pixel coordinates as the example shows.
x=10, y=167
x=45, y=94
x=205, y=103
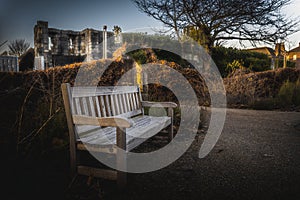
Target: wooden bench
x=114, y=112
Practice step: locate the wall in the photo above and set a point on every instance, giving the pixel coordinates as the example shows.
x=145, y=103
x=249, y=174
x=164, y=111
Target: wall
x=61, y=47
x=9, y=64
x=294, y=56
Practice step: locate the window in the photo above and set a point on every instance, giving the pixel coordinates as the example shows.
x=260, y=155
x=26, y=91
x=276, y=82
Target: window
x=294, y=57
x=71, y=44
x=50, y=45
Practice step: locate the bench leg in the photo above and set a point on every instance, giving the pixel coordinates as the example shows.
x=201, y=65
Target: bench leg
x=72, y=181
x=66, y=93
x=121, y=180
x=121, y=159
x=73, y=160
x=171, y=114
x=73, y=165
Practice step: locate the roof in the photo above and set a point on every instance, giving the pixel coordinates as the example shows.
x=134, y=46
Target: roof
x=297, y=49
x=264, y=50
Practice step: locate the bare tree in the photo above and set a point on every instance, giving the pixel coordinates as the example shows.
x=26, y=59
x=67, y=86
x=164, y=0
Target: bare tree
x=220, y=20
x=3, y=43
x=170, y=12
x=18, y=47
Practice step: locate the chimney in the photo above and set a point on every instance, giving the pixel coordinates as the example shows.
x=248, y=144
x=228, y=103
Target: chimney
x=282, y=47
x=277, y=49
x=104, y=42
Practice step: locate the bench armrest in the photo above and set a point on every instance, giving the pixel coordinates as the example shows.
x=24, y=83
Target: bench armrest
x=102, y=121
x=159, y=104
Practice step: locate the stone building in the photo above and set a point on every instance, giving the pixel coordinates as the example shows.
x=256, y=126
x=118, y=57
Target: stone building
x=55, y=47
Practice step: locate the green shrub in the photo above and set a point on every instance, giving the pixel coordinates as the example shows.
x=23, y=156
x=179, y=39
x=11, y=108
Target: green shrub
x=288, y=64
x=296, y=97
x=138, y=56
x=236, y=64
x=289, y=94
x=254, y=61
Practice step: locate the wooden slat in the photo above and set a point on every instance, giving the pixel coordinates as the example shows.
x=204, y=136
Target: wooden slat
x=81, y=106
x=92, y=107
x=98, y=109
x=108, y=105
x=130, y=114
x=134, y=101
x=78, y=107
x=123, y=102
x=145, y=127
x=136, y=97
x=102, y=106
x=112, y=105
x=128, y=102
x=140, y=99
x=120, y=103
x=131, y=101
x=98, y=136
x=74, y=110
x=159, y=104
x=107, y=121
x=97, y=148
x=85, y=130
x=117, y=107
x=99, y=91
x=96, y=172
x=84, y=106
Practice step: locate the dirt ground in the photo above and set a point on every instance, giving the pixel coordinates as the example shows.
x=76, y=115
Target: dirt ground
x=256, y=157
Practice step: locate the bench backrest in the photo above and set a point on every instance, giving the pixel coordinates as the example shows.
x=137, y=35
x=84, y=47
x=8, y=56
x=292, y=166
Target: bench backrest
x=105, y=101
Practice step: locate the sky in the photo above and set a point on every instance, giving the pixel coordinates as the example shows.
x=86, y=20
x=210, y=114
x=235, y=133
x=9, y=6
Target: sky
x=18, y=17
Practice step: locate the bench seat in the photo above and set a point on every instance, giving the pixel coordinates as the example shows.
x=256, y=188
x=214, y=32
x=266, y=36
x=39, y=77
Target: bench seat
x=143, y=128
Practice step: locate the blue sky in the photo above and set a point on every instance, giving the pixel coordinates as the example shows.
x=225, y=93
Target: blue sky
x=18, y=17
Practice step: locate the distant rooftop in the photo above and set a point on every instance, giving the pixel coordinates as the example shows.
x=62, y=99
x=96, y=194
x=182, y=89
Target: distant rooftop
x=265, y=50
x=297, y=49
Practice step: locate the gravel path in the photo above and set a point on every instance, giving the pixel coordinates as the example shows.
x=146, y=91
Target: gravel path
x=256, y=157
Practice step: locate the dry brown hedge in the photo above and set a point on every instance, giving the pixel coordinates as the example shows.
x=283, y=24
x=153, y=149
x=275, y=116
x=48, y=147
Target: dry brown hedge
x=34, y=102
x=32, y=111
x=244, y=89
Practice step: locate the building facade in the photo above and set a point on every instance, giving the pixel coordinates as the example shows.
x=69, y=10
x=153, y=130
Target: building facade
x=9, y=64
x=276, y=55
x=294, y=56
x=55, y=47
